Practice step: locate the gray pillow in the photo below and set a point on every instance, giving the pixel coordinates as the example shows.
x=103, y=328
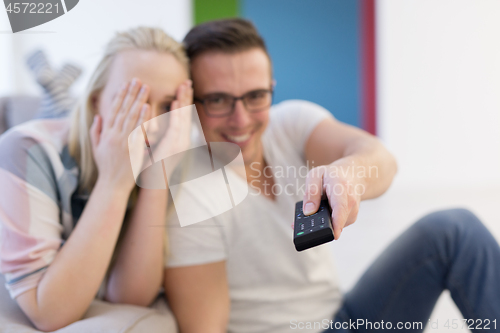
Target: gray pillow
x=21, y=109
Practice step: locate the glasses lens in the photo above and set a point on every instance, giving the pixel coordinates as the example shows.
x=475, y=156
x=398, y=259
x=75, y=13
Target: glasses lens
x=256, y=100
x=218, y=104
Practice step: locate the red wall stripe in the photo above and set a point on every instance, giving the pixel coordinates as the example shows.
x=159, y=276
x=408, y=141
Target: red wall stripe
x=368, y=58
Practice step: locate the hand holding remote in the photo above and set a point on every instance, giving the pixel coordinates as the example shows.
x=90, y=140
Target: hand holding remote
x=312, y=230
x=343, y=192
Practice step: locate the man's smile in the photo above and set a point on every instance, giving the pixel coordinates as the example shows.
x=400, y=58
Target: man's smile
x=240, y=139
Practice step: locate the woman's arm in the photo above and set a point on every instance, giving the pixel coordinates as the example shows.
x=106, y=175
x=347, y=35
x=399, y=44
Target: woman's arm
x=72, y=280
x=137, y=274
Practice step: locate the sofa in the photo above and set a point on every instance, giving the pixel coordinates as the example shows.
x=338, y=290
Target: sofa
x=15, y=110
x=101, y=316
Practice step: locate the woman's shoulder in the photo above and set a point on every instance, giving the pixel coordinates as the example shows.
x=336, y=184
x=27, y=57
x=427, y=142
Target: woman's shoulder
x=40, y=140
x=44, y=131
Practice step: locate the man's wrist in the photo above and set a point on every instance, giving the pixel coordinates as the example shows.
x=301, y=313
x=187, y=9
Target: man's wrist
x=352, y=169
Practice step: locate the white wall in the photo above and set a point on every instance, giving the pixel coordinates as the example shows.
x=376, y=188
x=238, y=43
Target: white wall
x=439, y=113
x=81, y=34
x=6, y=74
x=439, y=90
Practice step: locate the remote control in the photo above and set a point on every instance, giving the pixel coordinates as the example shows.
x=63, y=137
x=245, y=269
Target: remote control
x=312, y=230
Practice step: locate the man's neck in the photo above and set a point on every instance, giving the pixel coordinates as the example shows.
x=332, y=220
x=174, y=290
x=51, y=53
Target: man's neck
x=258, y=178
x=255, y=168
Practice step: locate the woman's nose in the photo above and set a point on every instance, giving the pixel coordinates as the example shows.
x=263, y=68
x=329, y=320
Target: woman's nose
x=154, y=124
x=155, y=110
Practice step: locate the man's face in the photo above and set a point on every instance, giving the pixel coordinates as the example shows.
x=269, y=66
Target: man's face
x=234, y=74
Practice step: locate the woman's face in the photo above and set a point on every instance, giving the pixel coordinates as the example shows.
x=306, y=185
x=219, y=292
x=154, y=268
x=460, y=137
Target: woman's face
x=161, y=71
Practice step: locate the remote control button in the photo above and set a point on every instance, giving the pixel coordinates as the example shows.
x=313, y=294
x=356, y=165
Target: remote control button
x=312, y=223
x=321, y=226
x=302, y=226
x=322, y=220
x=300, y=233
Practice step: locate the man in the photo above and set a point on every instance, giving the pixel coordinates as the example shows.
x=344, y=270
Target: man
x=239, y=272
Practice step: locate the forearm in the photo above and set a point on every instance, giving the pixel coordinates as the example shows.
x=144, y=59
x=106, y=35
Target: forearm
x=368, y=165
x=137, y=273
x=199, y=304
x=72, y=280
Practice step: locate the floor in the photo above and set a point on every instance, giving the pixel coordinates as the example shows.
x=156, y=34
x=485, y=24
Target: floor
x=381, y=220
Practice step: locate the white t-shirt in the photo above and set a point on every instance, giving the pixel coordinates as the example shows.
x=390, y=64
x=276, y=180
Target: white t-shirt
x=272, y=286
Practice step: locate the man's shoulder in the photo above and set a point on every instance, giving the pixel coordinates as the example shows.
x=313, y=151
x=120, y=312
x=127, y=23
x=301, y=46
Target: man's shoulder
x=293, y=120
x=294, y=104
x=293, y=110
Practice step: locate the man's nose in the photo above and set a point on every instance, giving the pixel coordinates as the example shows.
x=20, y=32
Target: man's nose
x=240, y=117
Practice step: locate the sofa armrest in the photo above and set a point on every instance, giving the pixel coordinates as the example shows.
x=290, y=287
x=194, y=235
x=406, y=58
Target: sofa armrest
x=20, y=109
x=3, y=111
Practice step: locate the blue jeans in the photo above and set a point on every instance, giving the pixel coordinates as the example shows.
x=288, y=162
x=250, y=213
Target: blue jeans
x=449, y=249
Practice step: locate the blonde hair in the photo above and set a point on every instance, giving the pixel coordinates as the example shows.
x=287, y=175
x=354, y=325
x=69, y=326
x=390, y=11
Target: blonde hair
x=141, y=38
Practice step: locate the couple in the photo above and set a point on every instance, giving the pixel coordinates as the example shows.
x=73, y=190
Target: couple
x=75, y=225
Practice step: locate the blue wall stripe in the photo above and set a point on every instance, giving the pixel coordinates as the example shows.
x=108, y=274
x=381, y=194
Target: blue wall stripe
x=315, y=48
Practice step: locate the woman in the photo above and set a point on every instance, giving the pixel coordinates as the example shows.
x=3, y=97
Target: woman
x=68, y=187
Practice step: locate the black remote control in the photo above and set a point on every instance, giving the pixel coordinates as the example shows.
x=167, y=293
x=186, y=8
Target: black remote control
x=312, y=230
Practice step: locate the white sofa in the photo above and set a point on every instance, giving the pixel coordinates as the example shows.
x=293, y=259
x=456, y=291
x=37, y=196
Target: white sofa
x=101, y=317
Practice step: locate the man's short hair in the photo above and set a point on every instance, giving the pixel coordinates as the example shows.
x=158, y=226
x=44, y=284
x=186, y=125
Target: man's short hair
x=228, y=36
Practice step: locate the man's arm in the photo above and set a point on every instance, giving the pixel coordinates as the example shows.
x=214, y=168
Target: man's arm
x=199, y=297
x=352, y=166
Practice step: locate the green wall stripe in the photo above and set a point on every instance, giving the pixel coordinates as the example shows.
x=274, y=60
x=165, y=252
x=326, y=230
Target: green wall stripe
x=207, y=10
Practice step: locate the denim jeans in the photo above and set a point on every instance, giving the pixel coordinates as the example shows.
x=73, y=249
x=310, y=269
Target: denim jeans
x=449, y=249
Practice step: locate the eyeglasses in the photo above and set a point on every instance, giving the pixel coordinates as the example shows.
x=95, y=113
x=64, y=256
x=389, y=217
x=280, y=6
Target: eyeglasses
x=222, y=105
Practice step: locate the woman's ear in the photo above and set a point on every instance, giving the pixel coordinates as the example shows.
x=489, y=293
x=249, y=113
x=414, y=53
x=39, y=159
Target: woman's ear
x=95, y=102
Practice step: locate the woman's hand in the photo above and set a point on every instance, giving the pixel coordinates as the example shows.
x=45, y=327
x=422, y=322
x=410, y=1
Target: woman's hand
x=179, y=129
x=169, y=134
x=137, y=274
x=109, y=137
x=184, y=95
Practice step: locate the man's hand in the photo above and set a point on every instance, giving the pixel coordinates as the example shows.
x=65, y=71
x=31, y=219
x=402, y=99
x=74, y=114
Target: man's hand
x=343, y=191
x=353, y=166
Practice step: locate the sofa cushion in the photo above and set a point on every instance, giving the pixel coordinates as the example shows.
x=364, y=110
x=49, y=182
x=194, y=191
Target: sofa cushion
x=21, y=109
x=3, y=112
x=101, y=317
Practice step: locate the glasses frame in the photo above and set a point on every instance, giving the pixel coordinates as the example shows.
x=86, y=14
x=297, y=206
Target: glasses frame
x=235, y=99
